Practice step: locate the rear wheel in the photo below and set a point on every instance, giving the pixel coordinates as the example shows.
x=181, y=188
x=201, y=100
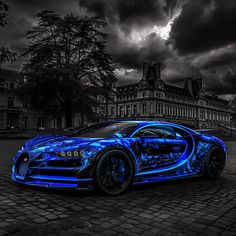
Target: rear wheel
x=215, y=163
x=114, y=172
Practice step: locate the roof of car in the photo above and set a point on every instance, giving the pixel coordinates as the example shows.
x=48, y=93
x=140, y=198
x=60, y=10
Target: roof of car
x=147, y=122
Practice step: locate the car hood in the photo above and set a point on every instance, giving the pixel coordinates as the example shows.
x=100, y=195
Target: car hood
x=54, y=143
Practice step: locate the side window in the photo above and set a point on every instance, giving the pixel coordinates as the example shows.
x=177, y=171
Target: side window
x=156, y=131
x=168, y=133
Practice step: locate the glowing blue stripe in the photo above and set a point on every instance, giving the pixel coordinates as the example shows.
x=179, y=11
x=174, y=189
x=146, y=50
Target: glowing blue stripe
x=53, y=168
x=62, y=178
x=172, y=166
x=48, y=184
x=163, y=178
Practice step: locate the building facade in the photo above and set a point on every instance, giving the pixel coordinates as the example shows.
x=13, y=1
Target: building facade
x=149, y=99
x=153, y=99
x=15, y=114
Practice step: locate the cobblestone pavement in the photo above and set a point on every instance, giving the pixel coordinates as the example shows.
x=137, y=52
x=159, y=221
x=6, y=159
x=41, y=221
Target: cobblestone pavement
x=186, y=207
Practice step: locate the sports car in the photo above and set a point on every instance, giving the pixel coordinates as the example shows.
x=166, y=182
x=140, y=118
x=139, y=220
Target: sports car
x=112, y=156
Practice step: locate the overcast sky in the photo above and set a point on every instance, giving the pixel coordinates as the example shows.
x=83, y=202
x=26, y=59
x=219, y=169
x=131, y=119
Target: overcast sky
x=189, y=36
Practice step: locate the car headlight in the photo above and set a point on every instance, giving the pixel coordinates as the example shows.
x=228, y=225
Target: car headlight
x=70, y=154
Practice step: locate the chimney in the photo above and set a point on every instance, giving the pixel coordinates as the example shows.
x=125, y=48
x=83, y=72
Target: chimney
x=158, y=68
x=188, y=84
x=199, y=82
x=145, y=69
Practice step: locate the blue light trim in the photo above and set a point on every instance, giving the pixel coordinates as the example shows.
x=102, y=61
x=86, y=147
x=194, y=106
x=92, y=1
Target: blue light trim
x=52, y=168
x=165, y=178
x=60, y=178
x=51, y=184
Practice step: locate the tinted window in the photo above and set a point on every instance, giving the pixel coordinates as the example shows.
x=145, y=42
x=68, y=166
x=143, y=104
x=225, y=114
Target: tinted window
x=156, y=131
x=120, y=129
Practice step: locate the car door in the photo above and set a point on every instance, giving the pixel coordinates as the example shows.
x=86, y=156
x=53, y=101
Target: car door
x=159, y=146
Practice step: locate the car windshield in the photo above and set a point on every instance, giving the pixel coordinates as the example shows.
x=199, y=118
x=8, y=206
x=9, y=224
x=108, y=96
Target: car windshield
x=116, y=129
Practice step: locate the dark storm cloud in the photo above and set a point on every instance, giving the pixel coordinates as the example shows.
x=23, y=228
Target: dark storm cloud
x=222, y=57
x=140, y=13
x=222, y=84
x=131, y=55
x=126, y=17
x=202, y=36
x=204, y=25
x=28, y=8
x=133, y=13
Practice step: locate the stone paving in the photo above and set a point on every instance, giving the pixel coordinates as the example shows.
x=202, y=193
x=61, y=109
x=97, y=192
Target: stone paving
x=186, y=207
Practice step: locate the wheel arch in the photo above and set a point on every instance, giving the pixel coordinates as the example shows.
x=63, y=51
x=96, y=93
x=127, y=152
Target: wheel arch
x=213, y=147
x=119, y=147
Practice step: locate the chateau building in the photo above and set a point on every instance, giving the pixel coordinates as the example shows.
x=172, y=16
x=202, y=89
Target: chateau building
x=153, y=99
x=149, y=99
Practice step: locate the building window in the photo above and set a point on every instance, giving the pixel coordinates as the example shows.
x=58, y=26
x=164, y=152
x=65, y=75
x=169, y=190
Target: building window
x=112, y=111
x=25, y=121
x=128, y=110
x=158, y=94
x=25, y=104
x=144, y=108
x=159, y=108
x=54, y=123
x=121, y=110
x=202, y=114
x=11, y=85
x=135, y=109
x=2, y=84
x=41, y=121
x=10, y=102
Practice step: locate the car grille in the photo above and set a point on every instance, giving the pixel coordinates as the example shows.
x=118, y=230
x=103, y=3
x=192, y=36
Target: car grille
x=46, y=169
x=22, y=165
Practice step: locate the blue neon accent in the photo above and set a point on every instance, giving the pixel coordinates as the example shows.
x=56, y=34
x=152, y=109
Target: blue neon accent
x=53, y=168
x=60, y=178
x=51, y=184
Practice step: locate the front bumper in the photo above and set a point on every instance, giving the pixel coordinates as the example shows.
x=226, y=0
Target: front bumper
x=56, y=182
x=51, y=172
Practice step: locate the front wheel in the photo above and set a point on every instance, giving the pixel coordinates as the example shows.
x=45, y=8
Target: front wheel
x=215, y=163
x=114, y=172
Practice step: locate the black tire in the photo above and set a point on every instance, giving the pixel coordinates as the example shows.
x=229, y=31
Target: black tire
x=215, y=163
x=114, y=172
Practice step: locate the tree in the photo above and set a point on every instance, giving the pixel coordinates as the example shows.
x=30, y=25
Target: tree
x=3, y=13
x=69, y=62
x=6, y=54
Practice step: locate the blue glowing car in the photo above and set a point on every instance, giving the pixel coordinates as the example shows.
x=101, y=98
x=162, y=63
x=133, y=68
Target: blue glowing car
x=112, y=156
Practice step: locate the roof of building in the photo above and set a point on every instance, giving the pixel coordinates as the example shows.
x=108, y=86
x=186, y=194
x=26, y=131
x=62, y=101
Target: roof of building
x=191, y=88
x=127, y=87
x=214, y=98
x=176, y=89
